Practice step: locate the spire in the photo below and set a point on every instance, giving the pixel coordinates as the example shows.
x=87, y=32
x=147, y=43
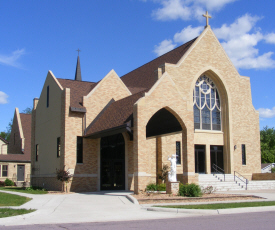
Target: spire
x=78, y=70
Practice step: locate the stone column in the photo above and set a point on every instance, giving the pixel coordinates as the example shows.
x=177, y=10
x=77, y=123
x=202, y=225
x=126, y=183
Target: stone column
x=207, y=159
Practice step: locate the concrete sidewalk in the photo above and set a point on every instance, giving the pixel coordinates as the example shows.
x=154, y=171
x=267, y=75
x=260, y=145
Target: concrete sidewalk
x=103, y=207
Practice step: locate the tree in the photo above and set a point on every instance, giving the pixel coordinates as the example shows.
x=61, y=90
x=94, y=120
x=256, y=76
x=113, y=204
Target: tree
x=268, y=145
x=28, y=110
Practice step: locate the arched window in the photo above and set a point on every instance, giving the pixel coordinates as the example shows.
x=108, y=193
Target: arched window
x=207, y=106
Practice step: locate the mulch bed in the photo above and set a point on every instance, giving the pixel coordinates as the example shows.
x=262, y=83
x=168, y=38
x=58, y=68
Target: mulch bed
x=153, y=198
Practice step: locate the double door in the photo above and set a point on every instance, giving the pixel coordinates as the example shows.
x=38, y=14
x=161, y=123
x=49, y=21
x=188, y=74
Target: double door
x=216, y=154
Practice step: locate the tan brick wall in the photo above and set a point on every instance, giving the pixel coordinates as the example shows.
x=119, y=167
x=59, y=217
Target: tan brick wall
x=12, y=171
x=263, y=176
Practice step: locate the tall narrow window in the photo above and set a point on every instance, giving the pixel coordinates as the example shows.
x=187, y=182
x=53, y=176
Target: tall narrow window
x=79, y=150
x=36, y=152
x=243, y=155
x=178, y=152
x=4, y=170
x=14, y=139
x=48, y=95
x=207, y=108
x=58, y=147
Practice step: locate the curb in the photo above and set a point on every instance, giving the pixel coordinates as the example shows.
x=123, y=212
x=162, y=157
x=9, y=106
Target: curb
x=132, y=199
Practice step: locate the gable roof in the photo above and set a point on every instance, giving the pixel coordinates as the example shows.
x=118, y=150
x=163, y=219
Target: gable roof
x=26, y=120
x=144, y=76
x=117, y=114
x=4, y=140
x=78, y=90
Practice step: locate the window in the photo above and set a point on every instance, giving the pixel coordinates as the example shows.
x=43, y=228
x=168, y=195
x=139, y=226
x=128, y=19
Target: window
x=178, y=151
x=58, y=147
x=36, y=152
x=207, y=108
x=243, y=155
x=79, y=150
x=4, y=170
x=48, y=95
x=14, y=139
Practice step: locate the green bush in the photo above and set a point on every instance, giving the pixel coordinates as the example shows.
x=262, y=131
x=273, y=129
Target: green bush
x=8, y=182
x=273, y=170
x=35, y=188
x=190, y=190
x=156, y=187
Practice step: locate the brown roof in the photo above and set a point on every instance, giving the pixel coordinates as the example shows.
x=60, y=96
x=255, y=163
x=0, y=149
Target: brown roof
x=78, y=90
x=118, y=113
x=26, y=120
x=144, y=76
x=4, y=140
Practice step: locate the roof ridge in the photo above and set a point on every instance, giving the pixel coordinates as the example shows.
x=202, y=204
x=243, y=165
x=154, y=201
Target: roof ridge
x=77, y=81
x=191, y=41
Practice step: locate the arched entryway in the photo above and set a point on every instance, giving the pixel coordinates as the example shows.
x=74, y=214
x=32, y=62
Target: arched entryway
x=112, y=162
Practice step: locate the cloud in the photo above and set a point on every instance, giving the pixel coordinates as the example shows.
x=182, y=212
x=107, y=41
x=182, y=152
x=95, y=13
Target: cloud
x=187, y=34
x=3, y=98
x=240, y=40
x=186, y=9
x=164, y=47
x=270, y=38
x=12, y=59
x=266, y=113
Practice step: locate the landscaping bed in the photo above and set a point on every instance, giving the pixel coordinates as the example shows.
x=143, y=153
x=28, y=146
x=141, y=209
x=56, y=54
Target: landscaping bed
x=154, y=198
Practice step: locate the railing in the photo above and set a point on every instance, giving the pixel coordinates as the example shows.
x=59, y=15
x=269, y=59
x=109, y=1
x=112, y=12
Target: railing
x=244, y=180
x=218, y=169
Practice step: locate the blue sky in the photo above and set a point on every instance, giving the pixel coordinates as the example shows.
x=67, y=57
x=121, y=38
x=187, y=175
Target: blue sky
x=37, y=36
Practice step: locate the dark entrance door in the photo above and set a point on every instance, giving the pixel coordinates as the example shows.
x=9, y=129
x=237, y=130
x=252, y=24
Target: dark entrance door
x=112, y=168
x=200, y=158
x=216, y=153
x=20, y=172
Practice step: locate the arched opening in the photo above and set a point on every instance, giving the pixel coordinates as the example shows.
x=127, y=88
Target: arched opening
x=162, y=122
x=112, y=162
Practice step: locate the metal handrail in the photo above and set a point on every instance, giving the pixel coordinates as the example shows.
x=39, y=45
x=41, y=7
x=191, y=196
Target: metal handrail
x=244, y=181
x=220, y=170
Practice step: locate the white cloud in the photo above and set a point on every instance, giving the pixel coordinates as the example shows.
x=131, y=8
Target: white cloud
x=164, y=47
x=266, y=113
x=12, y=59
x=3, y=98
x=187, y=34
x=187, y=9
x=270, y=38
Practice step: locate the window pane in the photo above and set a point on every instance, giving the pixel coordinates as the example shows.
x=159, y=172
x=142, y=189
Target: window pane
x=196, y=117
x=79, y=150
x=243, y=155
x=216, y=119
x=178, y=152
x=205, y=116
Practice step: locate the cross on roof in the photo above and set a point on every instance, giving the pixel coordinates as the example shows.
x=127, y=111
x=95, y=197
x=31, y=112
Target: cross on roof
x=78, y=50
x=207, y=16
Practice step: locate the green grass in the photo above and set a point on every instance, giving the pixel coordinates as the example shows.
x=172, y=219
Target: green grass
x=17, y=189
x=222, y=205
x=12, y=200
x=6, y=212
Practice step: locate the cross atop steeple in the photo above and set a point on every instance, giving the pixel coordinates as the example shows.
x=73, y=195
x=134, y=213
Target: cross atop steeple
x=78, y=50
x=207, y=16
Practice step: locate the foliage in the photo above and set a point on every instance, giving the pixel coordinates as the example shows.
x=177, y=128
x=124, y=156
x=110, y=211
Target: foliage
x=164, y=173
x=7, y=199
x=9, y=182
x=2, y=183
x=6, y=212
x=208, y=190
x=273, y=170
x=156, y=187
x=190, y=190
x=35, y=188
x=268, y=145
x=28, y=110
x=63, y=175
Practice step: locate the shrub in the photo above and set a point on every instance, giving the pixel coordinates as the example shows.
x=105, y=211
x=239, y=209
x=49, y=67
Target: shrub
x=208, y=189
x=8, y=182
x=164, y=173
x=156, y=187
x=2, y=183
x=161, y=187
x=35, y=188
x=190, y=190
x=273, y=170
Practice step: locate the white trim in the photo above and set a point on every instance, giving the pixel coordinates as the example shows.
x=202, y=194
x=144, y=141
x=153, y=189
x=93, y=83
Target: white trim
x=142, y=174
x=208, y=131
x=101, y=82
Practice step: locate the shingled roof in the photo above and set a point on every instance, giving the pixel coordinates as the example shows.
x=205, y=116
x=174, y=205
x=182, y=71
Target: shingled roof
x=78, y=90
x=144, y=77
x=25, y=156
x=4, y=140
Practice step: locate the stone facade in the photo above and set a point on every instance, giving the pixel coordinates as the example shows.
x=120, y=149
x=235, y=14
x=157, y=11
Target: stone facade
x=145, y=157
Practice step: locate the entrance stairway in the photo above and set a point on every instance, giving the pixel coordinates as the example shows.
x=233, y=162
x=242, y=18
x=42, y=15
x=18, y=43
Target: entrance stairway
x=218, y=183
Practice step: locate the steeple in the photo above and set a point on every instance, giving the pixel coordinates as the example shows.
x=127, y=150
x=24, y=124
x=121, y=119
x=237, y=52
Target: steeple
x=78, y=70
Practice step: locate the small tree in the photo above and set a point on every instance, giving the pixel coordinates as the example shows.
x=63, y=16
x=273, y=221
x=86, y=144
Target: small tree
x=63, y=176
x=164, y=173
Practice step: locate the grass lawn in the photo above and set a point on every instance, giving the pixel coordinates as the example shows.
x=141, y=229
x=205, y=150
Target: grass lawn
x=18, y=189
x=12, y=200
x=222, y=205
x=6, y=212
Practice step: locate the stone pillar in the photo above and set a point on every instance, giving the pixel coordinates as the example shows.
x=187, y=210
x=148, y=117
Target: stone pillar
x=207, y=160
x=159, y=158
x=172, y=187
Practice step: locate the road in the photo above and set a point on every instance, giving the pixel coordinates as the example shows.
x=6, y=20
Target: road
x=244, y=221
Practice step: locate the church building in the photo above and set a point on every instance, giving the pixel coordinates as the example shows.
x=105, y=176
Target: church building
x=117, y=134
